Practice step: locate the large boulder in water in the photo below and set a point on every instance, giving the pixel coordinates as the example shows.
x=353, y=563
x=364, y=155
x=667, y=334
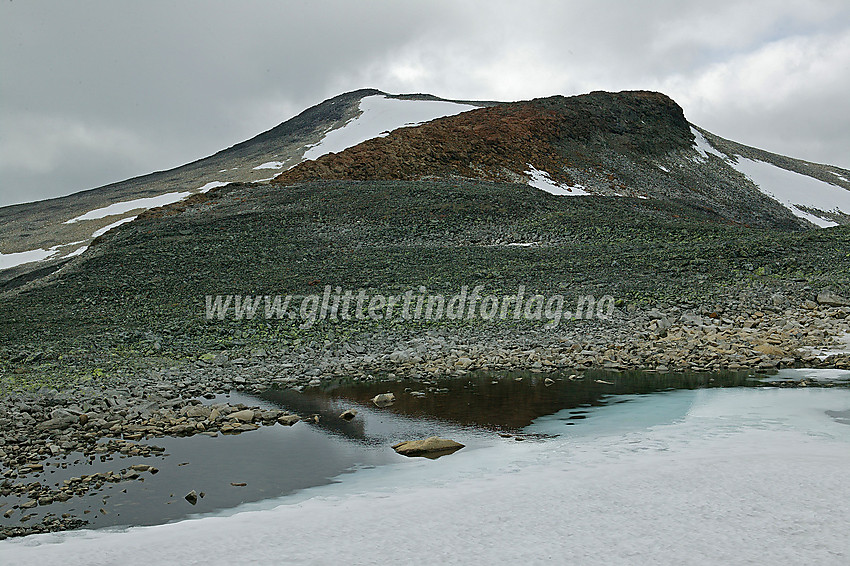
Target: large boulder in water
x=432, y=447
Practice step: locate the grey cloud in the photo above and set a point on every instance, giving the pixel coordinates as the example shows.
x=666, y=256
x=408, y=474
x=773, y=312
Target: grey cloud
x=128, y=88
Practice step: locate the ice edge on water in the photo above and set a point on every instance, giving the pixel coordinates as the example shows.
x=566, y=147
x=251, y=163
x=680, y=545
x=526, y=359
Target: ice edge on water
x=731, y=475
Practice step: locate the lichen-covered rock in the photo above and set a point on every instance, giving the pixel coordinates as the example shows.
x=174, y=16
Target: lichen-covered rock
x=830, y=299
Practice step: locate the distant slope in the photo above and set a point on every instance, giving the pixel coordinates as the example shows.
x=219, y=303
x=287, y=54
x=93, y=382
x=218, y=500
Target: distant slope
x=51, y=231
x=815, y=192
x=152, y=275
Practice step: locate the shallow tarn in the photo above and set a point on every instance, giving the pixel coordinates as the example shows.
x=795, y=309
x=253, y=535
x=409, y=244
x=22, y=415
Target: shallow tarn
x=611, y=469
x=228, y=470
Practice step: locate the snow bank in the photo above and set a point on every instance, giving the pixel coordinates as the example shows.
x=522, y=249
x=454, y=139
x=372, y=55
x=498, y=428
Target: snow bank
x=109, y=227
x=541, y=180
x=19, y=258
x=270, y=165
x=380, y=115
x=703, y=146
x=842, y=346
x=793, y=190
x=211, y=185
x=129, y=205
x=76, y=252
x=731, y=476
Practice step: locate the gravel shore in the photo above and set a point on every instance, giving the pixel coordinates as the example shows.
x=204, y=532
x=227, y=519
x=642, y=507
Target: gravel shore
x=126, y=408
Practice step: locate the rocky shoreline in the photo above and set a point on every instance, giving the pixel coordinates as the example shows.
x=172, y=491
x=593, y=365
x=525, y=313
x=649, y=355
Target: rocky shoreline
x=121, y=414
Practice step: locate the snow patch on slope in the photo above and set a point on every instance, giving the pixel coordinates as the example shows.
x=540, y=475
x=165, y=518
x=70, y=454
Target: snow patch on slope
x=31, y=256
x=146, y=203
x=128, y=205
x=19, y=258
x=379, y=116
x=210, y=185
x=109, y=227
x=794, y=191
x=270, y=165
x=703, y=146
x=76, y=252
x=841, y=346
x=541, y=180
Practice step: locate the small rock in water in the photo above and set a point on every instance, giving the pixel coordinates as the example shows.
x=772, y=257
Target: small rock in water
x=191, y=497
x=431, y=447
x=288, y=420
x=348, y=414
x=384, y=399
x=548, y=382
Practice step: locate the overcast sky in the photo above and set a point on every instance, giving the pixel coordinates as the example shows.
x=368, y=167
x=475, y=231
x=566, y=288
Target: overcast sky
x=96, y=92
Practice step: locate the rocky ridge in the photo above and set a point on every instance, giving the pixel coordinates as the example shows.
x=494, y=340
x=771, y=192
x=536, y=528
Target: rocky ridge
x=632, y=143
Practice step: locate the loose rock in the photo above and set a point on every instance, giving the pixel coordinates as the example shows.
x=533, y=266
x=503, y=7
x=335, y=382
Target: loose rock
x=431, y=447
x=384, y=399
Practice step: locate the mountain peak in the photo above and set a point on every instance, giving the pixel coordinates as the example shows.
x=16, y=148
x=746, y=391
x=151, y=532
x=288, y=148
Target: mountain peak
x=558, y=135
x=497, y=143
x=623, y=144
